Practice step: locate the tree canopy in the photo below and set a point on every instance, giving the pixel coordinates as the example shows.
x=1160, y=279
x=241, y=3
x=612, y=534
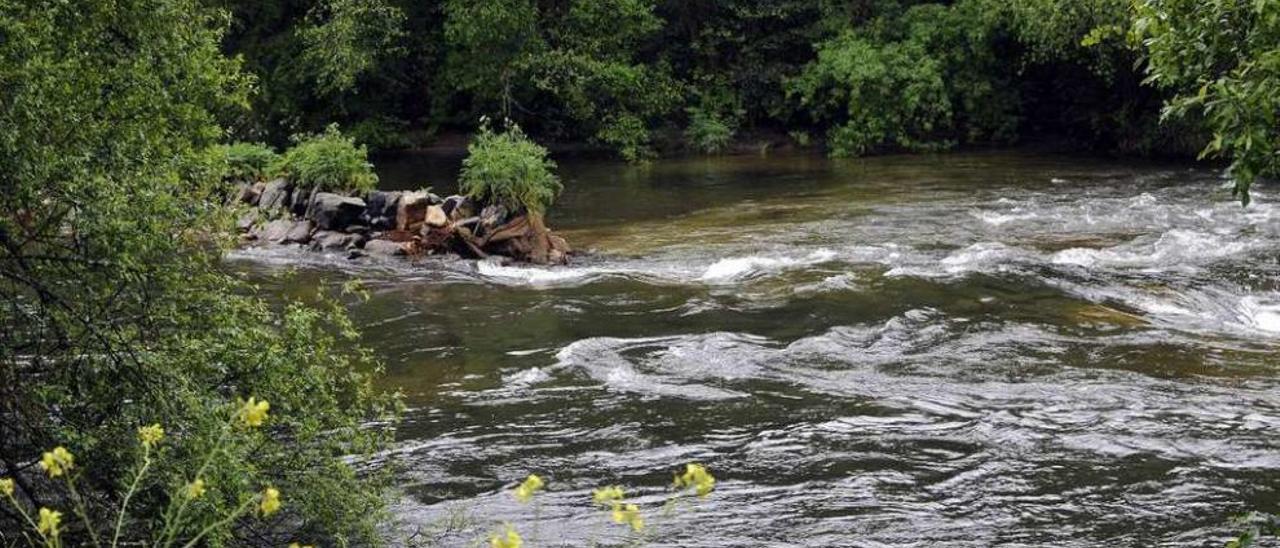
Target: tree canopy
x=116, y=312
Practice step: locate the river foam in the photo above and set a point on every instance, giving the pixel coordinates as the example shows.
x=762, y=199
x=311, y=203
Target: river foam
x=973, y=354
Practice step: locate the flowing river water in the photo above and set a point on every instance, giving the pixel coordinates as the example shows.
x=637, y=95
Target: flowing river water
x=993, y=349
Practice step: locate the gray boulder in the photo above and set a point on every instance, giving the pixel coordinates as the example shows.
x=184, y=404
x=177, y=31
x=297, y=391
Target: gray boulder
x=332, y=241
x=245, y=222
x=385, y=248
x=275, y=194
x=300, y=233
x=298, y=201
x=334, y=212
x=382, y=205
x=247, y=193
x=276, y=231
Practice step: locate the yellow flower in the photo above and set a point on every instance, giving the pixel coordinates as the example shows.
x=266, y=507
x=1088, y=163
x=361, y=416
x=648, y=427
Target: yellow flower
x=195, y=489
x=270, y=501
x=697, y=477
x=606, y=494
x=57, y=462
x=528, y=487
x=296, y=545
x=150, y=435
x=6, y=486
x=510, y=539
x=253, y=412
x=49, y=521
x=628, y=514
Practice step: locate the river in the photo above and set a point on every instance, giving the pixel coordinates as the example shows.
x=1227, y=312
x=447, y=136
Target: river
x=977, y=349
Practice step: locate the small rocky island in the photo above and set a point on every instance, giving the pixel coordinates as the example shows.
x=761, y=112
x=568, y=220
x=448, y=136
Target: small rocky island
x=394, y=223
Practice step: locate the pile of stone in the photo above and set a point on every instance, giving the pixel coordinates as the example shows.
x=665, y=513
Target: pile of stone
x=414, y=223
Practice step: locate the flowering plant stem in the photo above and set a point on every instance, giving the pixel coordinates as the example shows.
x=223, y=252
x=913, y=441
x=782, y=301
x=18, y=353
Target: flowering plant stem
x=178, y=505
x=78, y=503
x=239, y=511
x=24, y=513
x=133, y=488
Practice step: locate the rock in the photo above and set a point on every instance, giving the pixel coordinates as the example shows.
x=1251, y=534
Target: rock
x=458, y=207
x=412, y=211
x=245, y=222
x=382, y=208
x=560, y=250
x=491, y=217
x=276, y=231
x=334, y=212
x=300, y=233
x=435, y=217
x=382, y=204
x=274, y=194
x=299, y=200
x=247, y=193
x=450, y=203
x=381, y=223
x=325, y=240
x=386, y=248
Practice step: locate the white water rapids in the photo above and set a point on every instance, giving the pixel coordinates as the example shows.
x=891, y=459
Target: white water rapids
x=970, y=350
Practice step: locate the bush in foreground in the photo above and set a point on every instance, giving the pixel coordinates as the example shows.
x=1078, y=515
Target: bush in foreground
x=184, y=496
x=116, y=310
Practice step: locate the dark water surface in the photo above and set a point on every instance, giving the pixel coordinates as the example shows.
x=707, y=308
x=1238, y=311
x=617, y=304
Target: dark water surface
x=997, y=349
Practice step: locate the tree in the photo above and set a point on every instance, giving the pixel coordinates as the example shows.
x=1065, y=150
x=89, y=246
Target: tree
x=1222, y=59
x=572, y=71
x=115, y=309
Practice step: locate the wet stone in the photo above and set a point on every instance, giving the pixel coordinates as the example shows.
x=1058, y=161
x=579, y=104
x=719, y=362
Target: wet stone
x=276, y=231
x=274, y=194
x=385, y=248
x=300, y=233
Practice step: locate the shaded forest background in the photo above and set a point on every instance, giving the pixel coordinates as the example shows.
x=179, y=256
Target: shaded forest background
x=646, y=77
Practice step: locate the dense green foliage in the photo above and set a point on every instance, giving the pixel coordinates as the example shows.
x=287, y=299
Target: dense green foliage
x=114, y=307
x=577, y=62
x=864, y=76
x=328, y=161
x=632, y=75
x=1222, y=59
x=246, y=161
x=708, y=131
x=875, y=95
x=508, y=169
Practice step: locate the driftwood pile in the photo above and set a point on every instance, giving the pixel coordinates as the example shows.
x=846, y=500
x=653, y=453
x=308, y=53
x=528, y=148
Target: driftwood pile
x=414, y=223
